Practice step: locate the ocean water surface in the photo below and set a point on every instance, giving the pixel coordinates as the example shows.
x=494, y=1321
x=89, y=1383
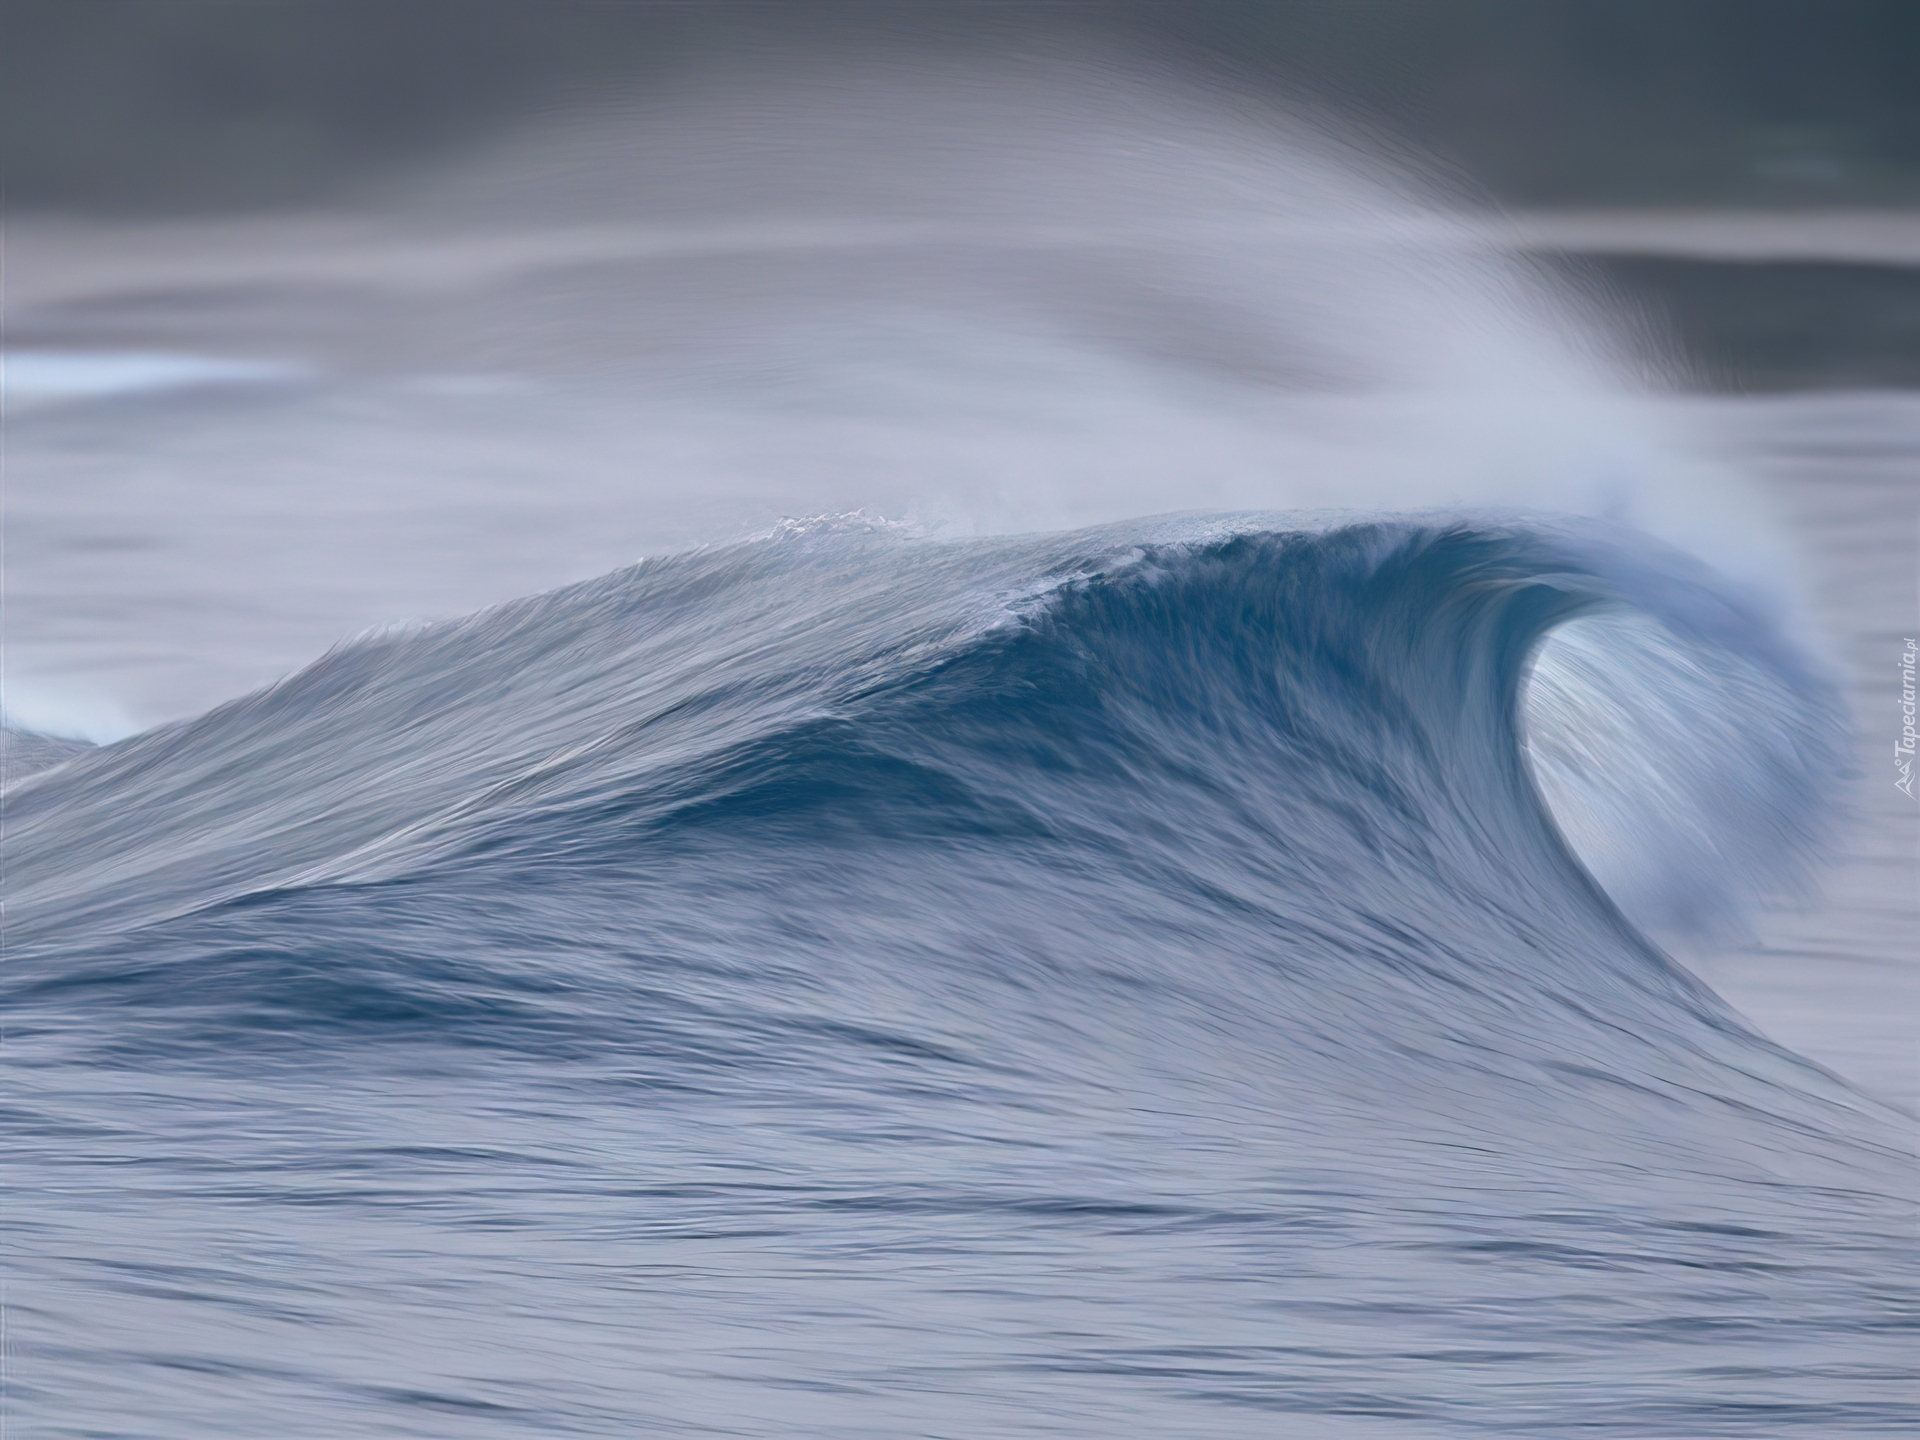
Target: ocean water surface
x=1210, y=813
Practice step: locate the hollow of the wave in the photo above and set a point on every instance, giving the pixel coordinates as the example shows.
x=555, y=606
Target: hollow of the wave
x=1692, y=779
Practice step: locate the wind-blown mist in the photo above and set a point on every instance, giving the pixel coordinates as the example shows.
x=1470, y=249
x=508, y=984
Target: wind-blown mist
x=980, y=304
x=1001, y=924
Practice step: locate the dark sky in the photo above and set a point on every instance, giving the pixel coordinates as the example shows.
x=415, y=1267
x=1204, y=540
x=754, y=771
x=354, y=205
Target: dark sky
x=112, y=105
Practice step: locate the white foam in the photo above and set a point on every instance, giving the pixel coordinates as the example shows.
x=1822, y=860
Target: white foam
x=37, y=377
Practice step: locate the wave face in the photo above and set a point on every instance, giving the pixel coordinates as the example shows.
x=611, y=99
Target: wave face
x=1124, y=982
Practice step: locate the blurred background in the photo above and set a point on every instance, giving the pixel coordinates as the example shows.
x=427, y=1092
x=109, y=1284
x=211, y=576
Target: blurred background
x=186, y=107
x=180, y=105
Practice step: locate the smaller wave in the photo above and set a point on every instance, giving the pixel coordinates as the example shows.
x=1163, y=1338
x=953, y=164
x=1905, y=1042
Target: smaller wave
x=27, y=752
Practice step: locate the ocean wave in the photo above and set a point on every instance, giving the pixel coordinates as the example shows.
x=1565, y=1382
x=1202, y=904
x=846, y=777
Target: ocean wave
x=1093, y=921
x=1278, y=728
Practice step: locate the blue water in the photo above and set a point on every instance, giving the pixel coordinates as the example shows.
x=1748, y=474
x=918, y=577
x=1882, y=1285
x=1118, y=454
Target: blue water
x=857, y=983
